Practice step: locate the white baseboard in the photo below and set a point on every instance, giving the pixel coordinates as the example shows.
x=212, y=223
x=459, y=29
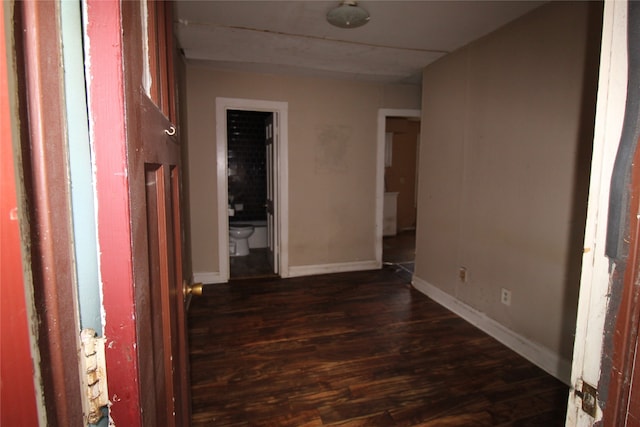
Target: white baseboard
x=537, y=354
x=342, y=267
x=208, y=277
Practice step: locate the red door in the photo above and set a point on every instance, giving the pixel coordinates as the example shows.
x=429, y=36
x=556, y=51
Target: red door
x=137, y=150
x=155, y=183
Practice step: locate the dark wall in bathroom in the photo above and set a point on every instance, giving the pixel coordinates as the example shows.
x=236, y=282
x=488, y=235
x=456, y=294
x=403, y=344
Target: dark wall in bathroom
x=247, y=163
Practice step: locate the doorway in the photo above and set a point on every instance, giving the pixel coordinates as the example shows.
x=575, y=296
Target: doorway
x=252, y=186
x=398, y=156
x=249, y=176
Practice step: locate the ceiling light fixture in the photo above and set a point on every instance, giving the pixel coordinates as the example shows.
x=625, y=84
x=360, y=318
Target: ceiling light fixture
x=348, y=15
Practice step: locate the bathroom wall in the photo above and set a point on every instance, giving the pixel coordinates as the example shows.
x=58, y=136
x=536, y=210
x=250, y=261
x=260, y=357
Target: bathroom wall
x=505, y=152
x=247, y=164
x=332, y=160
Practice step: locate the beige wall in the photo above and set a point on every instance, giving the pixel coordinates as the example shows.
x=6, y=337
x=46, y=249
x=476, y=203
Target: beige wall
x=332, y=160
x=503, y=172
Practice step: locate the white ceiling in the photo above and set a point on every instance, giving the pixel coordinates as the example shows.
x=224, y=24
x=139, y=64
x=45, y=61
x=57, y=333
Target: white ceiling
x=294, y=37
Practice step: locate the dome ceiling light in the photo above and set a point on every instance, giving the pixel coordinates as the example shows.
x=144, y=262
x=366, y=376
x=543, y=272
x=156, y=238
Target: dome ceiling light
x=348, y=15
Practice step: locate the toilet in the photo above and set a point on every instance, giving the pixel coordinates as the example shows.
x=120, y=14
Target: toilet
x=239, y=239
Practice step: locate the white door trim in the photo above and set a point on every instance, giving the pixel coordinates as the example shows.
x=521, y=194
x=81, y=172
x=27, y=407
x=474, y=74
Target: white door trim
x=593, y=300
x=280, y=110
x=383, y=113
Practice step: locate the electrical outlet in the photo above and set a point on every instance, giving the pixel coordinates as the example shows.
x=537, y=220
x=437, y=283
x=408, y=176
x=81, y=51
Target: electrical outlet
x=462, y=274
x=505, y=296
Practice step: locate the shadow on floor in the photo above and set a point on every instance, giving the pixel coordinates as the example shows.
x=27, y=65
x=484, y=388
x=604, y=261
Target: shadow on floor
x=254, y=265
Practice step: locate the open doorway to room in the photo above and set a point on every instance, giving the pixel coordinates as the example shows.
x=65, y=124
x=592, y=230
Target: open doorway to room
x=247, y=182
x=251, y=158
x=399, y=136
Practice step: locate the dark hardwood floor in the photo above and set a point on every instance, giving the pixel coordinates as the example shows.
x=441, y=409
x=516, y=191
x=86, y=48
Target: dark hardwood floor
x=354, y=349
x=399, y=249
x=256, y=264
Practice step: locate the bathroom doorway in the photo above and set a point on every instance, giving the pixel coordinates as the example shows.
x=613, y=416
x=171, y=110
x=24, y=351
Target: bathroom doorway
x=251, y=157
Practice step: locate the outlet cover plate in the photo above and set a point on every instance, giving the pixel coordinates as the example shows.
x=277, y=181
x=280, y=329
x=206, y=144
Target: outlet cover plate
x=505, y=296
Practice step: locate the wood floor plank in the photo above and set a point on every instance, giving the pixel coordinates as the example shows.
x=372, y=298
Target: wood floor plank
x=354, y=349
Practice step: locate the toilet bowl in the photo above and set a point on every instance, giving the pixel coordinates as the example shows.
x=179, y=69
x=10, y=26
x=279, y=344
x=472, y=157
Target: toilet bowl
x=239, y=239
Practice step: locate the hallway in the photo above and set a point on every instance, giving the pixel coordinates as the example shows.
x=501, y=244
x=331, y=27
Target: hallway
x=354, y=349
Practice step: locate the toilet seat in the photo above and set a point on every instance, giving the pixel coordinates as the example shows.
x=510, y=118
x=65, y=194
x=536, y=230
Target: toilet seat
x=240, y=226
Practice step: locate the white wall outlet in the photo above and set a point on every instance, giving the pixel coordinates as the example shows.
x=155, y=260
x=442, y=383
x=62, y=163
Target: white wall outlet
x=505, y=296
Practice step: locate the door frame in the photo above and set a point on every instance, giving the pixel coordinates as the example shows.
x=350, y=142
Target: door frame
x=619, y=379
x=106, y=105
x=593, y=300
x=19, y=353
x=280, y=111
x=49, y=256
x=383, y=114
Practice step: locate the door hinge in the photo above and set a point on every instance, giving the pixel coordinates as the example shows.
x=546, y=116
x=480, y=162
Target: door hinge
x=589, y=396
x=93, y=372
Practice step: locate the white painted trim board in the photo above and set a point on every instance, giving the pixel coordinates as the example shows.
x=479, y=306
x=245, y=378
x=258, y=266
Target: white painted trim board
x=537, y=354
x=341, y=267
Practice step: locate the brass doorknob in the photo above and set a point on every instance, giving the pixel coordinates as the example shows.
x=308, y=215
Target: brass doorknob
x=195, y=289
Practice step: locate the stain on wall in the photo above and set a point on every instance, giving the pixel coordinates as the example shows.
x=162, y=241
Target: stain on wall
x=332, y=148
